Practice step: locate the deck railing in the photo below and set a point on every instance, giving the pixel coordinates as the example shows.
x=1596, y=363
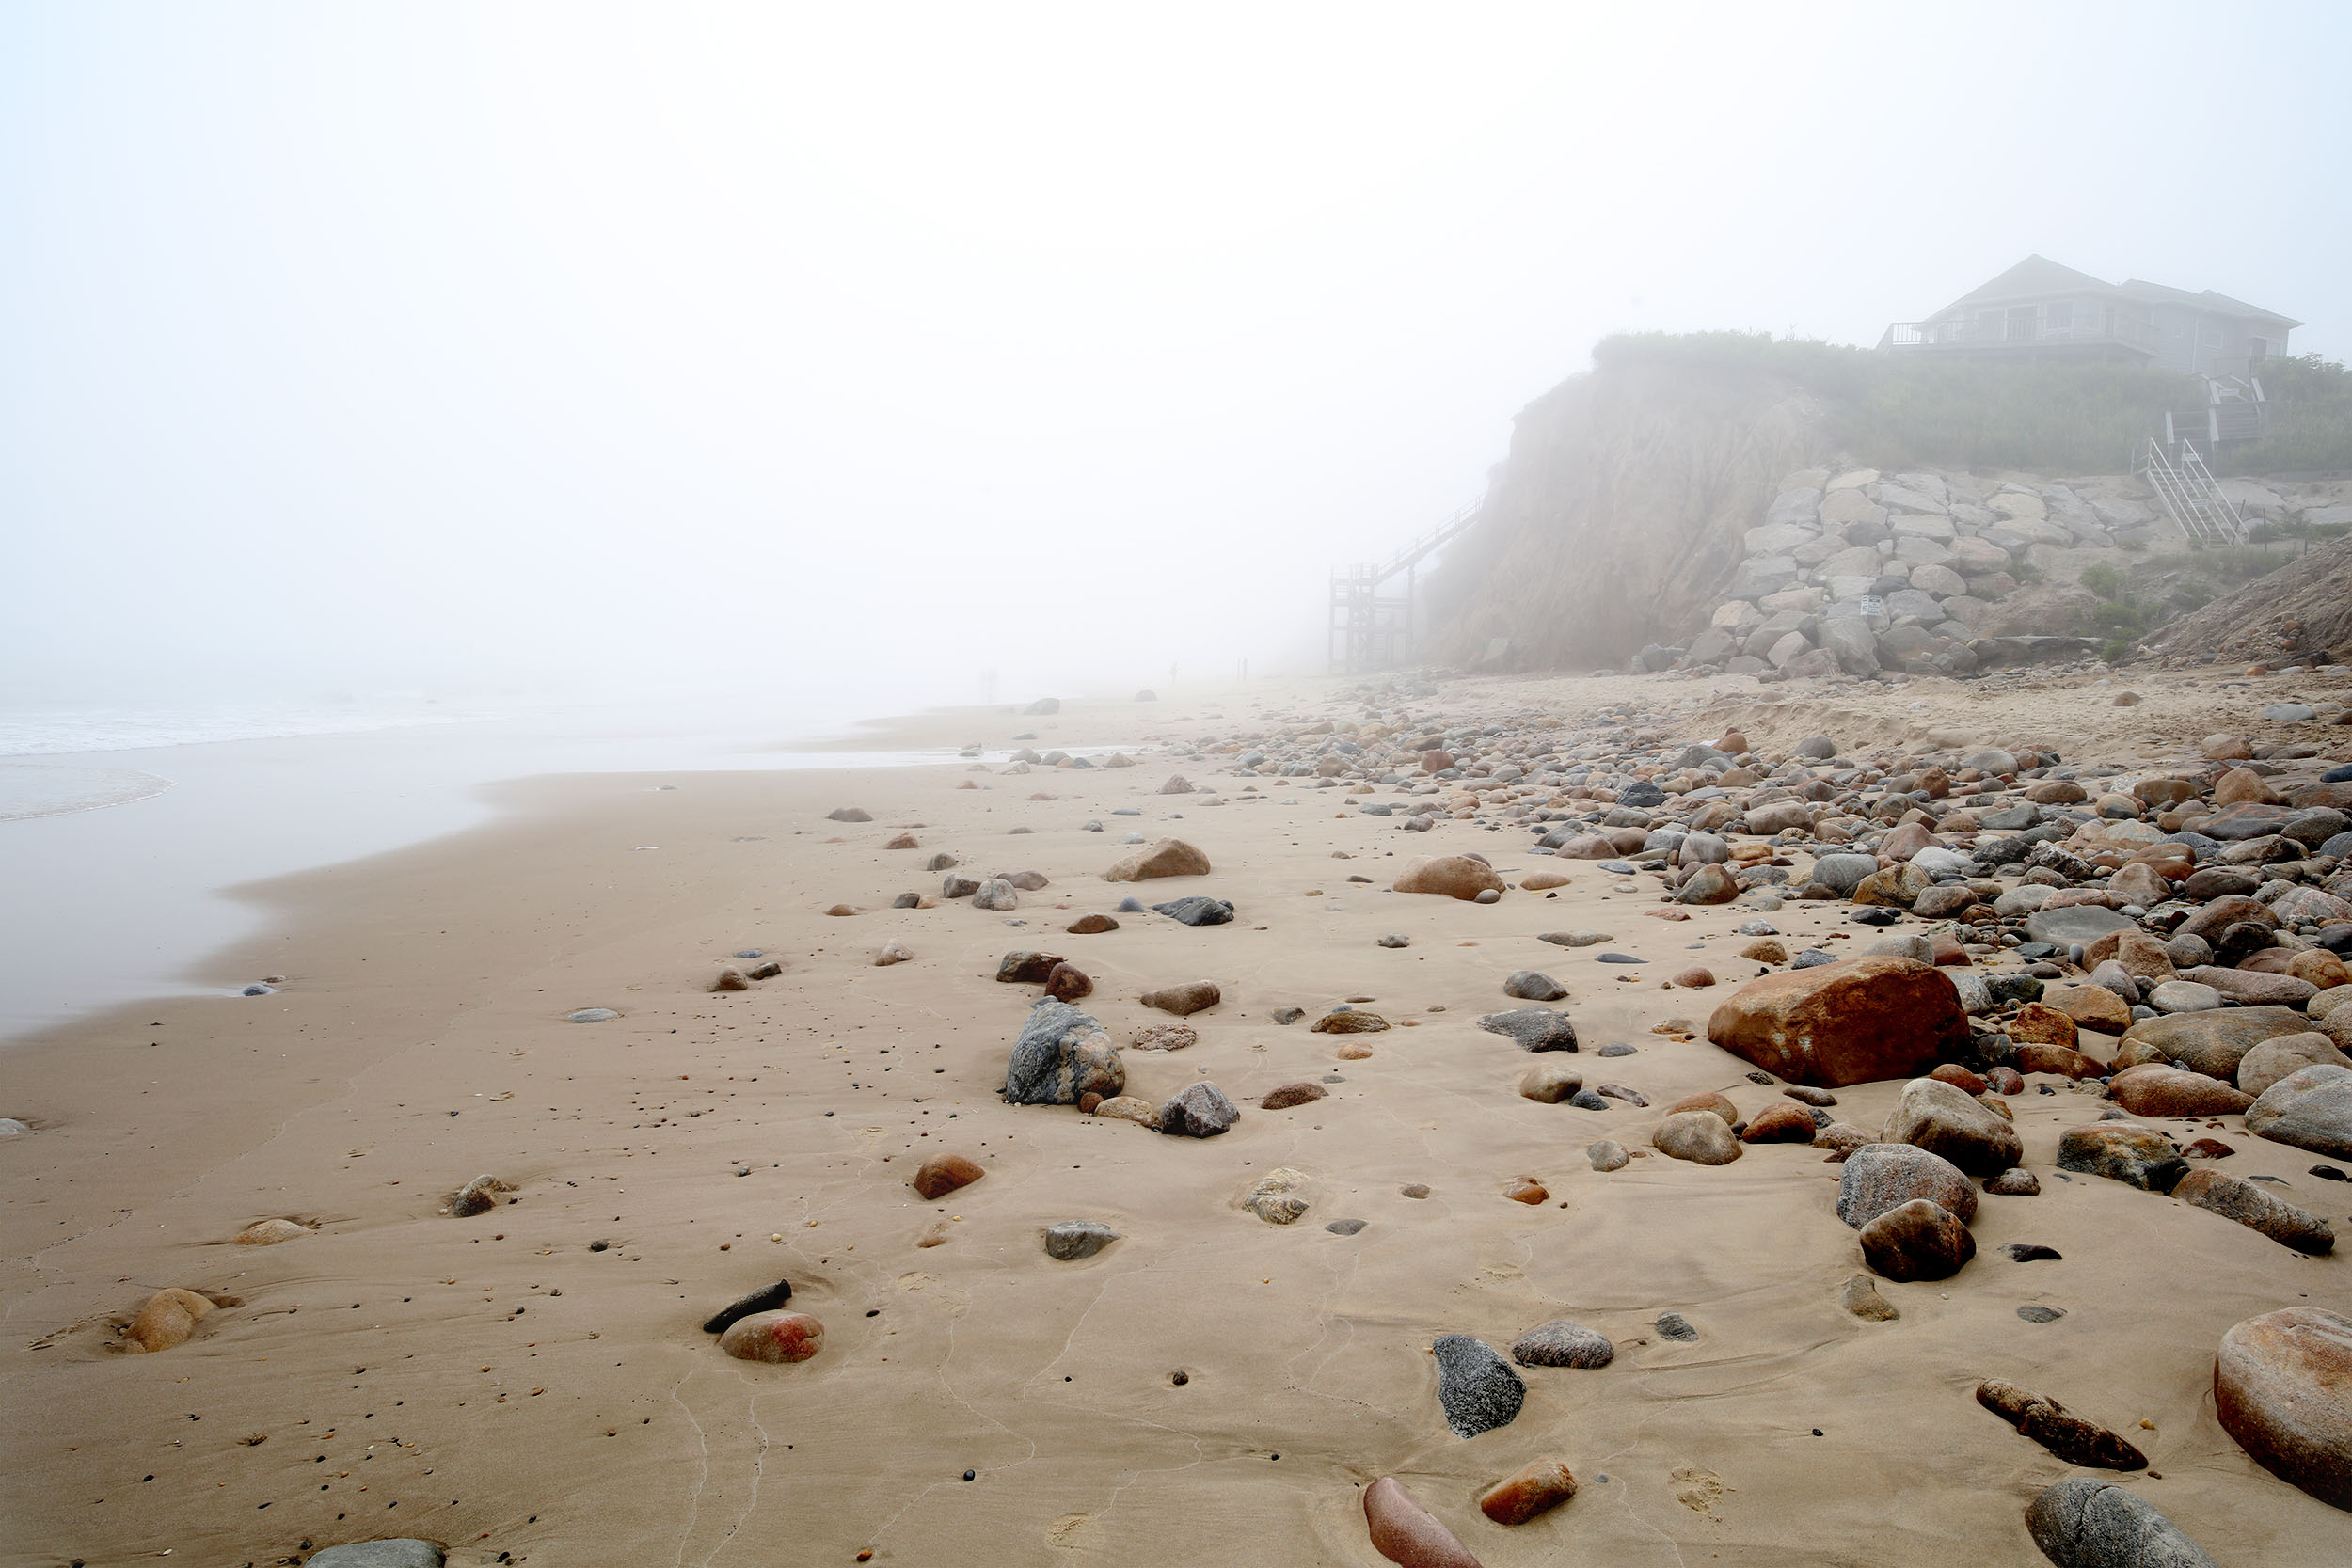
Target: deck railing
x=2017, y=333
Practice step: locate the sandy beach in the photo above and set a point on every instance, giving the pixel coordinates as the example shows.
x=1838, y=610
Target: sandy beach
x=532, y=1383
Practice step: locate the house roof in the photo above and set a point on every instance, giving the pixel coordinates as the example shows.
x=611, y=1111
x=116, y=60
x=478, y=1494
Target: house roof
x=2221, y=304
x=2037, y=276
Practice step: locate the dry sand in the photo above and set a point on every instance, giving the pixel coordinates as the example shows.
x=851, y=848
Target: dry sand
x=497, y=1385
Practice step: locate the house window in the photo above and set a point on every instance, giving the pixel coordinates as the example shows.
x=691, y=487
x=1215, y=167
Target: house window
x=2057, y=319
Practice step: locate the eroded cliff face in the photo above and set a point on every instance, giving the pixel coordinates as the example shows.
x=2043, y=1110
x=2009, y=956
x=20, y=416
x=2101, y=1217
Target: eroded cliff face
x=1619, y=515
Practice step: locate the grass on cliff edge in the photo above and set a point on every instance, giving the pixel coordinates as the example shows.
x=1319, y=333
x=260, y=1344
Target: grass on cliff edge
x=1894, y=411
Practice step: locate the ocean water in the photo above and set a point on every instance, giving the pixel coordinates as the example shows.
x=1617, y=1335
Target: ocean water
x=119, y=861
x=73, y=729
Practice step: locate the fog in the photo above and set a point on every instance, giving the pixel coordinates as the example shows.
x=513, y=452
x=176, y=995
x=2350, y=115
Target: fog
x=944, y=353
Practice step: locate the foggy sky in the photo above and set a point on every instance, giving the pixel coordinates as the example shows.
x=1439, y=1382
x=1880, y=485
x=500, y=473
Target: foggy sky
x=878, y=347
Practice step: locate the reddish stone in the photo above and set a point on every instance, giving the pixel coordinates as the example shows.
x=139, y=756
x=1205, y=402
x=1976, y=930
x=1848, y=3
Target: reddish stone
x=2059, y=1060
x=775, y=1336
x=1840, y=1023
x=2039, y=1022
x=1705, y=1099
x=1696, y=977
x=1409, y=1534
x=943, y=1174
x=2152, y=1089
x=1784, y=1122
x=1526, y=1189
x=1536, y=1488
x=1959, y=1078
x=2005, y=1080
x=1066, y=983
x=1292, y=1094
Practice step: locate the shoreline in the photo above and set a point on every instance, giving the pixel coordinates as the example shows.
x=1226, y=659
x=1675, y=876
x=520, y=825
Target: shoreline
x=514, y=1387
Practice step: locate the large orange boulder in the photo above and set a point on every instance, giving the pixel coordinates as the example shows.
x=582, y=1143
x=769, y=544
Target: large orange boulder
x=1839, y=1024
x=2282, y=1388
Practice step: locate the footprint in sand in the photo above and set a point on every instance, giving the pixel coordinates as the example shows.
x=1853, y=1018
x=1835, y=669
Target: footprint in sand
x=1074, y=1532
x=1698, y=1490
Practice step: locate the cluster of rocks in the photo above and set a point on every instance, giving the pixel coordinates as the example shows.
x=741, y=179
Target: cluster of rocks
x=1857, y=571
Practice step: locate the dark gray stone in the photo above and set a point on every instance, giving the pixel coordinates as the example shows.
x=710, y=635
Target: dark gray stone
x=1533, y=984
x=1196, y=911
x=1075, y=1238
x=1197, y=1110
x=1477, y=1388
x=1345, y=1227
x=1673, y=1325
x=1534, y=1028
x=766, y=1299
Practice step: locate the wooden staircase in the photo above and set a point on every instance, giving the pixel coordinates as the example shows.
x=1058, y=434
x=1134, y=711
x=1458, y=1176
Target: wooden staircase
x=1370, y=630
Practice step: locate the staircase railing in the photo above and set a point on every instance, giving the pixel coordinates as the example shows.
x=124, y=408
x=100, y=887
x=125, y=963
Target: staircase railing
x=2196, y=503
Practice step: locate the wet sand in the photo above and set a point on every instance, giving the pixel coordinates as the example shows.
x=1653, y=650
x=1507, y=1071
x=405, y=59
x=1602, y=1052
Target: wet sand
x=532, y=1381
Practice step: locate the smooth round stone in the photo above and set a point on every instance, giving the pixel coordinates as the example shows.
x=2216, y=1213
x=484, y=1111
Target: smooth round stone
x=2184, y=996
x=590, y=1015
x=1607, y=1154
x=774, y=1337
x=1345, y=1227
x=1618, y=1049
x=1561, y=1343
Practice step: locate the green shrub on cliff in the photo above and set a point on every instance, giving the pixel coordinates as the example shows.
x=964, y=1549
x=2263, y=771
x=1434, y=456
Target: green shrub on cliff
x=1895, y=411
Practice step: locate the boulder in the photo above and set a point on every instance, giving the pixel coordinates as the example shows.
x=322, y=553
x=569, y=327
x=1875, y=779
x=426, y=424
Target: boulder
x=1197, y=1110
x=1533, y=1028
x=1169, y=857
x=1455, y=876
x=1061, y=1054
x=2274, y=1059
x=1949, y=1121
x=1197, y=911
x=2310, y=1108
x=1918, y=1239
x=1879, y=1177
x=1025, y=967
x=1840, y=1023
x=2282, y=1388
x=2256, y=1208
x=2152, y=1089
x=2120, y=1152
x=2084, y=1522
x=1183, y=1000
x=1701, y=1137
x=2213, y=1043
x=1550, y=1082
